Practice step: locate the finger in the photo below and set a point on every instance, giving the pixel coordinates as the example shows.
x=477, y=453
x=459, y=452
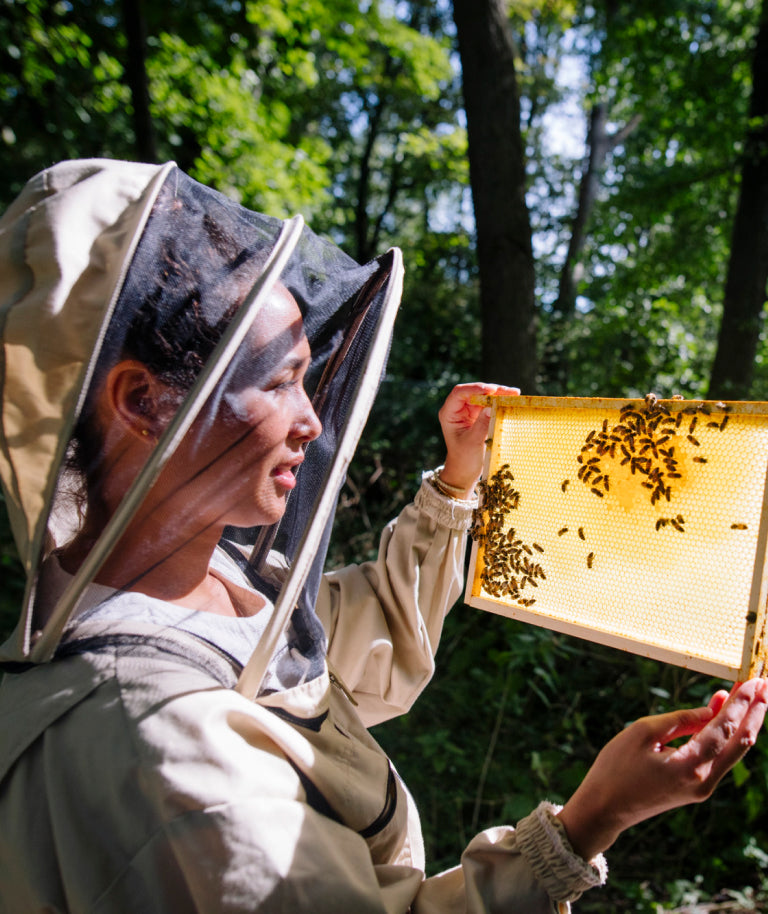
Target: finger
x=730, y=734
x=481, y=389
x=462, y=415
x=717, y=701
x=663, y=728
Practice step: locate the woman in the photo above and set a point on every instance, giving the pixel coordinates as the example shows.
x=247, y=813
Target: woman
x=162, y=492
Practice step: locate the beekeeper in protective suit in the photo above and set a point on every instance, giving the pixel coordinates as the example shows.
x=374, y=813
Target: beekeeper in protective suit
x=183, y=717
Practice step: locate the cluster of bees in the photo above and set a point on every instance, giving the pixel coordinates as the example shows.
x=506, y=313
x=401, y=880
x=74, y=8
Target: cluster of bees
x=509, y=563
x=648, y=443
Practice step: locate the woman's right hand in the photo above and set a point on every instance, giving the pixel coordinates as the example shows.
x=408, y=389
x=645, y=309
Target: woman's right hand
x=638, y=775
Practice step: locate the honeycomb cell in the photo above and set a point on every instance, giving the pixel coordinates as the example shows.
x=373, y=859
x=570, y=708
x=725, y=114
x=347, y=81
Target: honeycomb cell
x=634, y=523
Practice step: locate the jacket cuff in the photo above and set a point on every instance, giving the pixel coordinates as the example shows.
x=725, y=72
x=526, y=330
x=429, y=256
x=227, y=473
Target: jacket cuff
x=544, y=843
x=454, y=513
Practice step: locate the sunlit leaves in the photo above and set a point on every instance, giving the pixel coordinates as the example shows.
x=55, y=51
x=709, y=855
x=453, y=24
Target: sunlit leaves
x=240, y=142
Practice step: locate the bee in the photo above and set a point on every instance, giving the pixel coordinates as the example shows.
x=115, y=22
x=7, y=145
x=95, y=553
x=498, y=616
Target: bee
x=713, y=425
x=751, y=617
x=564, y=485
x=590, y=559
x=738, y=526
x=693, y=440
x=581, y=533
x=724, y=423
x=661, y=522
x=562, y=530
x=597, y=492
x=677, y=525
x=538, y=548
x=699, y=459
x=692, y=426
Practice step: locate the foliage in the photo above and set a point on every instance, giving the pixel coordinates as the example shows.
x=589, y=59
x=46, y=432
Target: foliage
x=654, y=264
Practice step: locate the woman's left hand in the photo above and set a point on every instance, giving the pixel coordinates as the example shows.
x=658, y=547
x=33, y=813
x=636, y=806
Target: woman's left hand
x=465, y=428
x=638, y=774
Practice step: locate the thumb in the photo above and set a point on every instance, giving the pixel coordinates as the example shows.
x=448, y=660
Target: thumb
x=663, y=728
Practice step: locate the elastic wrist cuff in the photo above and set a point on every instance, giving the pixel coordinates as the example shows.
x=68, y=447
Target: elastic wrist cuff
x=455, y=513
x=543, y=841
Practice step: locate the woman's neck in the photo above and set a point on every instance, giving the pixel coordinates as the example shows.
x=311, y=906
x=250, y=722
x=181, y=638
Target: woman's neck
x=161, y=566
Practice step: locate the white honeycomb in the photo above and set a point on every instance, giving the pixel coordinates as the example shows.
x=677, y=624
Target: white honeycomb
x=634, y=523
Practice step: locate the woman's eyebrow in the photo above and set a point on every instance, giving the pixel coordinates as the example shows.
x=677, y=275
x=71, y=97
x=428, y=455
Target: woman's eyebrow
x=295, y=362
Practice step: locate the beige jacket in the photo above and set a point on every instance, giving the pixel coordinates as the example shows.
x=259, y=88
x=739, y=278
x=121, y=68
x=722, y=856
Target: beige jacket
x=134, y=778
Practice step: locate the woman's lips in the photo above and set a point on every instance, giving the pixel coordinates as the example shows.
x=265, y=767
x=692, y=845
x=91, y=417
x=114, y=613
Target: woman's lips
x=285, y=475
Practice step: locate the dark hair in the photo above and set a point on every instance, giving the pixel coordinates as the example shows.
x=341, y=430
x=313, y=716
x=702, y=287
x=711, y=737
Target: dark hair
x=189, y=275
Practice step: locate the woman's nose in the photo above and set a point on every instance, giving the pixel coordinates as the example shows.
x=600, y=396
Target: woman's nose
x=309, y=423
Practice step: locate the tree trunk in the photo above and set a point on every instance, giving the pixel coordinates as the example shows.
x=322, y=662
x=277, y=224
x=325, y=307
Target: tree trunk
x=745, y=287
x=497, y=175
x=136, y=77
x=556, y=361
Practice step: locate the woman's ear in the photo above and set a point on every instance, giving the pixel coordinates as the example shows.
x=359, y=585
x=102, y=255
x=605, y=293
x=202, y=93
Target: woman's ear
x=135, y=397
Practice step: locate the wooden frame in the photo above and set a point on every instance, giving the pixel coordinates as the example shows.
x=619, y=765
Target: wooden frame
x=639, y=524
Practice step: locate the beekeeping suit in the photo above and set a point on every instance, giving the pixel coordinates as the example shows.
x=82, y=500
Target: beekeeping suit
x=156, y=758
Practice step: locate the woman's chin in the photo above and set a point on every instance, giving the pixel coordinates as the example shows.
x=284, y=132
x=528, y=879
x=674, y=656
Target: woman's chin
x=262, y=516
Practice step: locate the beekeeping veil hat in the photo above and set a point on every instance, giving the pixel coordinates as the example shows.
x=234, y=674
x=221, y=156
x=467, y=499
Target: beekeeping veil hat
x=99, y=257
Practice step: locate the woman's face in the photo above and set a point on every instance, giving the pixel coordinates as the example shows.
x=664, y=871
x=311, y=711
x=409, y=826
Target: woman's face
x=238, y=461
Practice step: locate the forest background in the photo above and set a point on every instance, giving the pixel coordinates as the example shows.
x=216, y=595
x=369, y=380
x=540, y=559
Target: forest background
x=581, y=192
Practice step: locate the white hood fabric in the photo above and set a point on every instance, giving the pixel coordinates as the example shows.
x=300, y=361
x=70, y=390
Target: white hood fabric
x=65, y=245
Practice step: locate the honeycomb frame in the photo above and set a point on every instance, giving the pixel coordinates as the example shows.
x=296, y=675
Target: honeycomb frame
x=636, y=523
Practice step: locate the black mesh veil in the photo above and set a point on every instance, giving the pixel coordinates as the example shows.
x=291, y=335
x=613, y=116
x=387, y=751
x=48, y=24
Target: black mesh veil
x=194, y=270
x=339, y=345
